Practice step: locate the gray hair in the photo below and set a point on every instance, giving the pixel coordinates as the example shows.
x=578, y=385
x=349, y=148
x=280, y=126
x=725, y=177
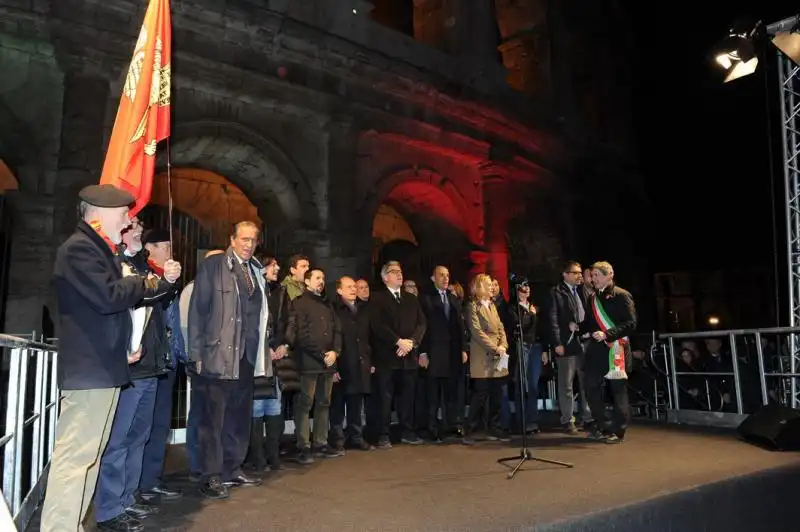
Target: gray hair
x=385, y=268
x=604, y=267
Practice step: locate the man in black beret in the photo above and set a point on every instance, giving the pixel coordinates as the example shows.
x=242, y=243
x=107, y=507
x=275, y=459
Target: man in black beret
x=94, y=303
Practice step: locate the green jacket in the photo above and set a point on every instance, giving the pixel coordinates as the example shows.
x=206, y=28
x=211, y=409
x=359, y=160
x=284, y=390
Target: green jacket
x=293, y=288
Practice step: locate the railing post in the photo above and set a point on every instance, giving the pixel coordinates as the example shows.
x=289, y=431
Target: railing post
x=736, y=381
x=39, y=401
x=761, y=372
x=674, y=371
x=10, y=478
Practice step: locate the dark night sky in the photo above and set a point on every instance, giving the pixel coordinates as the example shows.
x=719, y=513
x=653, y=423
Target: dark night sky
x=703, y=144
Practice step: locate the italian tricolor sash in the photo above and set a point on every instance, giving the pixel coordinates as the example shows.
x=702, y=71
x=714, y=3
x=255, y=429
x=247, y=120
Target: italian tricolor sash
x=616, y=349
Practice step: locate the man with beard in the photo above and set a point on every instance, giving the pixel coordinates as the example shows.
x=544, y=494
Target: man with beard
x=94, y=302
x=316, y=338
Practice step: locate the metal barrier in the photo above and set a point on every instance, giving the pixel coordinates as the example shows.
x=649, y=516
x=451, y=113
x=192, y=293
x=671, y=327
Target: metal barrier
x=745, y=348
x=31, y=406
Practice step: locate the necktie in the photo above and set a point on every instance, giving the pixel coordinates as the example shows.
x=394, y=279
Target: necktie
x=397, y=296
x=578, y=305
x=445, y=303
x=248, y=279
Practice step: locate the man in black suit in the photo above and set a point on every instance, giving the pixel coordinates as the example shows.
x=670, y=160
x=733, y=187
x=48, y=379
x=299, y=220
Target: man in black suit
x=442, y=354
x=568, y=304
x=398, y=327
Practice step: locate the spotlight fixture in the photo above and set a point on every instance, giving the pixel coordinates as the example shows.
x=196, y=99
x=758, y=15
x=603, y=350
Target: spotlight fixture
x=737, y=55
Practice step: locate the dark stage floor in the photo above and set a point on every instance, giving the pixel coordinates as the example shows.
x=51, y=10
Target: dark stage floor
x=453, y=487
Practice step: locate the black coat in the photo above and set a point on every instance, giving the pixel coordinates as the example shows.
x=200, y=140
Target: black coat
x=279, y=307
x=156, y=356
x=313, y=330
x=391, y=321
x=355, y=361
x=444, y=336
x=619, y=307
x=93, y=306
x=562, y=311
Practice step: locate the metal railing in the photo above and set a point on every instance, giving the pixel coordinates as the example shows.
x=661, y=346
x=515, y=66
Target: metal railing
x=743, y=350
x=29, y=425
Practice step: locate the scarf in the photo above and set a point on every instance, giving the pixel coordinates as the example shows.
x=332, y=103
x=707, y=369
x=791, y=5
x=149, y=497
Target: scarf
x=616, y=349
x=98, y=228
x=155, y=268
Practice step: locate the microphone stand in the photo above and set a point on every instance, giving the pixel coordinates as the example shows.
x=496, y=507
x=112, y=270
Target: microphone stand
x=522, y=391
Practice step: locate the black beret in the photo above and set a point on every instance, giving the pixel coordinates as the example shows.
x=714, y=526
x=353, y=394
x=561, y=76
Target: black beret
x=155, y=235
x=107, y=196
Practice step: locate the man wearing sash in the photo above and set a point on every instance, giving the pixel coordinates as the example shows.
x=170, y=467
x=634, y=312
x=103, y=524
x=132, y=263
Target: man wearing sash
x=611, y=319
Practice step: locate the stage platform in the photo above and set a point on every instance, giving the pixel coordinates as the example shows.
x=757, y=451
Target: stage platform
x=661, y=478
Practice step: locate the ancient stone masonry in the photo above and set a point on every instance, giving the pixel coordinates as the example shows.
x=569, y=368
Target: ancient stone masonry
x=313, y=112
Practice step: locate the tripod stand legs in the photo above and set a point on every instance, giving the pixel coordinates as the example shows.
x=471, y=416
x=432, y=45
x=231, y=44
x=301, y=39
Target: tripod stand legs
x=524, y=455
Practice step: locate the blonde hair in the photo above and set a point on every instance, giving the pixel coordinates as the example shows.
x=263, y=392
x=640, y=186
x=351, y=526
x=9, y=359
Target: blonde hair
x=458, y=289
x=478, y=289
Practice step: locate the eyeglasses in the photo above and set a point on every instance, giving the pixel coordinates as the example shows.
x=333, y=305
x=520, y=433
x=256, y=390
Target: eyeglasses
x=575, y=273
x=394, y=271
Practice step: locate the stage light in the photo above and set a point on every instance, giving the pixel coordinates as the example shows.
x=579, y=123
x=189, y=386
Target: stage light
x=713, y=321
x=736, y=54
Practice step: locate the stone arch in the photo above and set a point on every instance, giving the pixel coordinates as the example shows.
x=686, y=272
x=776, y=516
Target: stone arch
x=16, y=143
x=252, y=162
x=436, y=213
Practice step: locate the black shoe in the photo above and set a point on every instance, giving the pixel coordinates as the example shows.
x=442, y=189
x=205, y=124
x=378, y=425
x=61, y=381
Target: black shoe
x=242, y=480
x=141, y=511
x=411, y=439
x=121, y=523
x=161, y=493
x=304, y=457
x=498, y=435
x=326, y=451
x=384, y=443
x=214, y=489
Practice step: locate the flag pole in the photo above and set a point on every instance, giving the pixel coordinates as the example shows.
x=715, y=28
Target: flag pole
x=169, y=196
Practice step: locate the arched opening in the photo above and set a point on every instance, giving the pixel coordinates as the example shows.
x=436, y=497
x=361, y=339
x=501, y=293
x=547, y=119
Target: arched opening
x=421, y=225
x=8, y=181
x=205, y=206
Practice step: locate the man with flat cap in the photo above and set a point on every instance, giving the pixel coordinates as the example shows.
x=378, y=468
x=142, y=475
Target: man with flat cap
x=94, y=307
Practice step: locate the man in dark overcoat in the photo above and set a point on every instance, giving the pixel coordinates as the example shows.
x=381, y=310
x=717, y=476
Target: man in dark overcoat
x=94, y=303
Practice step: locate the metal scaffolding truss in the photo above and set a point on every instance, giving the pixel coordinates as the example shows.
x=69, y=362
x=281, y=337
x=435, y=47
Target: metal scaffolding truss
x=789, y=83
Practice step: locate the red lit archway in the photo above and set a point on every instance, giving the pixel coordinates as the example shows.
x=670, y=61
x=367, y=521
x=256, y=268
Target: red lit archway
x=7, y=179
x=421, y=219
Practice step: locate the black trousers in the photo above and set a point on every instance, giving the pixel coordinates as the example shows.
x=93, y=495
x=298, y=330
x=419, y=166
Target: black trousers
x=351, y=407
x=223, y=425
x=397, y=385
x=619, y=392
x=441, y=392
x=481, y=390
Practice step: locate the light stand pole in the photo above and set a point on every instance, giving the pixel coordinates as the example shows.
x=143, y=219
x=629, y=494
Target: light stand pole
x=522, y=391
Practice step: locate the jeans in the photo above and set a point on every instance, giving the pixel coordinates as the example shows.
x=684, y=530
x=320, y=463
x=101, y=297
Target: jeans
x=532, y=368
x=269, y=407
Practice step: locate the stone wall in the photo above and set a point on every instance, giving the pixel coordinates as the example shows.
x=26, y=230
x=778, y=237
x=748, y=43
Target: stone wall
x=317, y=113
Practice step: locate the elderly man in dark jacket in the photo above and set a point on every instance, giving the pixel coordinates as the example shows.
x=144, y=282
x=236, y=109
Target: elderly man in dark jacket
x=228, y=316
x=315, y=335
x=352, y=383
x=94, y=302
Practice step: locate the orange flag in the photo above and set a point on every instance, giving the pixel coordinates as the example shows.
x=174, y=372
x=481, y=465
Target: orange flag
x=143, y=116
